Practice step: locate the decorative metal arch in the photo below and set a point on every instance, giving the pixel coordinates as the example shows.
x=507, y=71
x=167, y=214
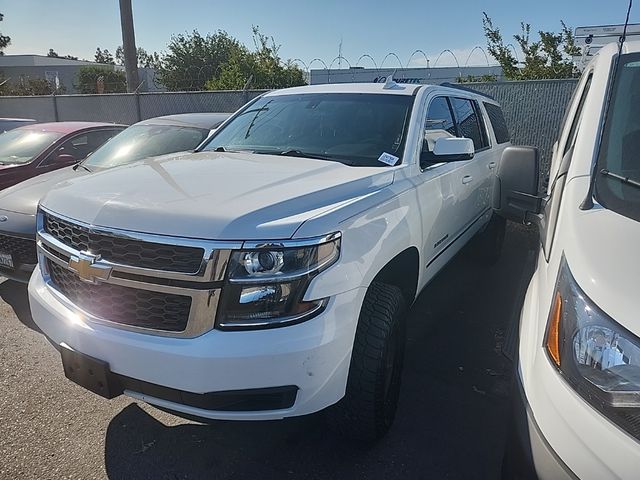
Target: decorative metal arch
x=423, y=54
x=391, y=54
x=515, y=52
x=325, y=67
x=454, y=57
x=369, y=57
x=473, y=50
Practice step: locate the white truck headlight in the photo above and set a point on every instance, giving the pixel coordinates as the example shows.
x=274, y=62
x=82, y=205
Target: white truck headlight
x=599, y=358
x=266, y=283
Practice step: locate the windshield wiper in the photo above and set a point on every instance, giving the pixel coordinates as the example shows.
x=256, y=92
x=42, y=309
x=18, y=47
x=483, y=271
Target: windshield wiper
x=625, y=180
x=299, y=153
x=75, y=167
x=229, y=150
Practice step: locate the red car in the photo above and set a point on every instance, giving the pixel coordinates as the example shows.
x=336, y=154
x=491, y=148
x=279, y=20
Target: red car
x=42, y=147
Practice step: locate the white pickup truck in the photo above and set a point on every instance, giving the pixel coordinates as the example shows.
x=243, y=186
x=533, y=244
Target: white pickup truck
x=268, y=275
x=578, y=377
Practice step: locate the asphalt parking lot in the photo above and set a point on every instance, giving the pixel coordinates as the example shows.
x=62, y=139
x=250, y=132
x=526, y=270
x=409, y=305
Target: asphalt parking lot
x=451, y=421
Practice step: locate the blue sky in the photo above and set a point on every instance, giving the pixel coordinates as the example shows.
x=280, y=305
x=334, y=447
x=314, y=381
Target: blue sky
x=305, y=29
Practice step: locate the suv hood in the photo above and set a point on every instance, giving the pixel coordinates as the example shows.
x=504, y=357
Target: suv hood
x=24, y=197
x=217, y=196
x=604, y=261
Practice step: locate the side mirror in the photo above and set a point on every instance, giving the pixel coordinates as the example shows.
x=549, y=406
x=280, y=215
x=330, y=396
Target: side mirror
x=453, y=149
x=515, y=196
x=65, y=158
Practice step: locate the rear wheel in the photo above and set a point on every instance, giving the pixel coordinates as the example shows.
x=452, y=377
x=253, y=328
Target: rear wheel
x=368, y=408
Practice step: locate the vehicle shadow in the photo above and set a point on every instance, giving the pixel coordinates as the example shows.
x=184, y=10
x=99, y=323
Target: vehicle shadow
x=451, y=421
x=16, y=296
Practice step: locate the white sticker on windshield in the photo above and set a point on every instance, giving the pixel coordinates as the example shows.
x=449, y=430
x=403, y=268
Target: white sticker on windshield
x=388, y=158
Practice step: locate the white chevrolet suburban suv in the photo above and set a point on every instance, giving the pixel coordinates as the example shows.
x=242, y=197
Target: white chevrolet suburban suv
x=578, y=372
x=267, y=275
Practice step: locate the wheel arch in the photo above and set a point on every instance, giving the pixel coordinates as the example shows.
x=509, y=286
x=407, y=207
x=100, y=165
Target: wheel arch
x=402, y=271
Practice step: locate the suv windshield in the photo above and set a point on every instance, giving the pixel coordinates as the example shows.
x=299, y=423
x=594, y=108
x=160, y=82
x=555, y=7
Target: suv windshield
x=351, y=128
x=142, y=141
x=21, y=146
x=617, y=184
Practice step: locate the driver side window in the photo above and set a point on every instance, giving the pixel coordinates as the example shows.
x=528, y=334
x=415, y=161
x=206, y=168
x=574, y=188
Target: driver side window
x=78, y=147
x=439, y=123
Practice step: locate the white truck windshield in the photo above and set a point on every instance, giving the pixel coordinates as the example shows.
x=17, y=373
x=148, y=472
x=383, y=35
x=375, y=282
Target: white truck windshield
x=617, y=183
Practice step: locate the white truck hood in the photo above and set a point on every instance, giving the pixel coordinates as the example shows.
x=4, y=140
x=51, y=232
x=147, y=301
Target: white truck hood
x=218, y=196
x=604, y=261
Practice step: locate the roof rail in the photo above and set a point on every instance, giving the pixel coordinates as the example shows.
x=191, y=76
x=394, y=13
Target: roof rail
x=466, y=89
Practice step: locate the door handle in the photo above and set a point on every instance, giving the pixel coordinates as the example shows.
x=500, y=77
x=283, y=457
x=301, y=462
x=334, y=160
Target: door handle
x=467, y=179
x=492, y=165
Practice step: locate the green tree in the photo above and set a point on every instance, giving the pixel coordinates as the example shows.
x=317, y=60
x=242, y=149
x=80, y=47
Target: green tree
x=548, y=57
x=88, y=79
x=5, y=41
x=477, y=78
x=54, y=54
x=145, y=59
x=192, y=59
x=262, y=68
x=104, y=56
x=30, y=86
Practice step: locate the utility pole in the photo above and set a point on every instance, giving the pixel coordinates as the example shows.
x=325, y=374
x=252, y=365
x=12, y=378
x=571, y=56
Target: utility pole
x=129, y=45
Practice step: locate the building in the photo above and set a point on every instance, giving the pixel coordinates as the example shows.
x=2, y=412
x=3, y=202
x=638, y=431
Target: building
x=61, y=72
x=435, y=75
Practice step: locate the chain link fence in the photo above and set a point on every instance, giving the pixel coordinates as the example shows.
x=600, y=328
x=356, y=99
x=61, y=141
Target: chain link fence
x=124, y=108
x=533, y=109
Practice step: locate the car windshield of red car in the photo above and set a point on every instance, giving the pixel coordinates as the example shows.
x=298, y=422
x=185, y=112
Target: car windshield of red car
x=21, y=146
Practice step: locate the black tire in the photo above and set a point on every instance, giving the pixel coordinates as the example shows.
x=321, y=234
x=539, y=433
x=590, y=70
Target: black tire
x=368, y=408
x=489, y=242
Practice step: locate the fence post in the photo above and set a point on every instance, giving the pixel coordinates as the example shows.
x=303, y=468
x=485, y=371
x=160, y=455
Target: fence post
x=245, y=89
x=138, y=109
x=55, y=108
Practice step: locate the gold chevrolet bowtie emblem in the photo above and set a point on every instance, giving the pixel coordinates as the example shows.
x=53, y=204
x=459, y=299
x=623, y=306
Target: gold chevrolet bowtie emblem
x=87, y=269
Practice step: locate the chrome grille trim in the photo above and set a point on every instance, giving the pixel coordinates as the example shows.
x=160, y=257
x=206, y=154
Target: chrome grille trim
x=214, y=262
x=202, y=287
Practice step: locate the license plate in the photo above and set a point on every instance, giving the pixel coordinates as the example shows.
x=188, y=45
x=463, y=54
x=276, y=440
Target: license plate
x=6, y=260
x=88, y=372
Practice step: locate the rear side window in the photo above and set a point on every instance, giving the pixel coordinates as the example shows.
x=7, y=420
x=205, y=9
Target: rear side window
x=573, y=132
x=469, y=123
x=498, y=123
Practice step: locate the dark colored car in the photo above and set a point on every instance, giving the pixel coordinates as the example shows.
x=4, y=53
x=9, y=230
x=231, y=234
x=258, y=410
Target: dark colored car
x=39, y=148
x=149, y=138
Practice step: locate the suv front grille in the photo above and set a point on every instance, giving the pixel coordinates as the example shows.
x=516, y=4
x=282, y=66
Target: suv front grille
x=23, y=250
x=137, y=253
x=124, y=305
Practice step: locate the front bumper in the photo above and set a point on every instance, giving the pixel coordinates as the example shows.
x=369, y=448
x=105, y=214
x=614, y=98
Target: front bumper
x=313, y=356
x=529, y=451
x=560, y=426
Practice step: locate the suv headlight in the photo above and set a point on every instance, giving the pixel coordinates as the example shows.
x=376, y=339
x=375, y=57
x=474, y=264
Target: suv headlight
x=599, y=358
x=266, y=283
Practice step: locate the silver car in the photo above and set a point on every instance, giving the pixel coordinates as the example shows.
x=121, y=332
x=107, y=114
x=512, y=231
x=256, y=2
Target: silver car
x=149, y=138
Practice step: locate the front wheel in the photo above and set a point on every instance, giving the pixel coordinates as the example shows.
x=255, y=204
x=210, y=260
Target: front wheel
x=368, y=408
